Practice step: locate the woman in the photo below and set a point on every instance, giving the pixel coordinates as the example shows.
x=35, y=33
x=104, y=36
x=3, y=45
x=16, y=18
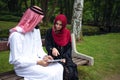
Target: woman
x=58, y=45
x=26, y=52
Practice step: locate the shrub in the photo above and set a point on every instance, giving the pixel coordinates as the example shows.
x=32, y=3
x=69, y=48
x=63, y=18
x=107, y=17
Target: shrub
x=4, y=33
x=90, y=30
x=9, y=18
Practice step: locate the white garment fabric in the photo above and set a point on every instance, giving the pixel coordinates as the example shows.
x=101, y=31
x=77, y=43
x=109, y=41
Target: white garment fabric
x=25, y=51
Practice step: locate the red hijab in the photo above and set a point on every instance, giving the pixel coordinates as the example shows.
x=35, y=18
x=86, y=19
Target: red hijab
x=63, y=37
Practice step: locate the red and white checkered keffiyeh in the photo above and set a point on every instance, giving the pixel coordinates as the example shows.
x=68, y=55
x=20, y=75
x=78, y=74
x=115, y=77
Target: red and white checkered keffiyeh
x=29, y=20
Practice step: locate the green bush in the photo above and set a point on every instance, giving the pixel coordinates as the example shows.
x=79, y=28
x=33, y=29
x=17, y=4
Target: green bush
x=17, y=14
x=43, y=32
x=5, y=26
x=9, y=18
x=90, y=30
x=4, y=33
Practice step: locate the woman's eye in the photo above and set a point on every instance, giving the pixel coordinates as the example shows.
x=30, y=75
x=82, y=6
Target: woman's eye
x=58, y=24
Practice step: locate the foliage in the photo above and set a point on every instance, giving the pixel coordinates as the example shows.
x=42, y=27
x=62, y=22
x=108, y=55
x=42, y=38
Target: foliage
x=87, y=13
x=2, y=5
x=101, y=13
x=5, y=26
x=9, y=18
x=4, y=33
x=90, y=30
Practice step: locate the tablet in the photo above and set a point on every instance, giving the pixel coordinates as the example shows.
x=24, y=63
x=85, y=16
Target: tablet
x=55, y=60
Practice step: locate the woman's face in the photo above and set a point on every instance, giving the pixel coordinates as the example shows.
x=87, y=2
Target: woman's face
x=58, y=25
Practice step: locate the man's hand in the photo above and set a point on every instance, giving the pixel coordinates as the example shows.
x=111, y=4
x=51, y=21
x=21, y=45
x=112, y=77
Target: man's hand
x=45, y=60
x=42, y=63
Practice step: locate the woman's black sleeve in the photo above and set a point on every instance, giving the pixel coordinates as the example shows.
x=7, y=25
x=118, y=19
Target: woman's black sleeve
x=49, y=42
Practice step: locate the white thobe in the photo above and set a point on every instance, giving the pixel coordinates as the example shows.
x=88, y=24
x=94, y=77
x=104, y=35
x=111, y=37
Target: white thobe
x=25, y=51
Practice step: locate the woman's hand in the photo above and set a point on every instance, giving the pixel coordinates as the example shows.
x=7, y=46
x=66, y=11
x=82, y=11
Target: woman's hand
x=55, y=52
x=63, y=60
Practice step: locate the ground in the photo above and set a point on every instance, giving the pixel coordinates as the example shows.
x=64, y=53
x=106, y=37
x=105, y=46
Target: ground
x=113, y=77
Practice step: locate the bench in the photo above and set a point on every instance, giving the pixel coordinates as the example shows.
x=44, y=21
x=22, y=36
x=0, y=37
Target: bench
x=79, y=58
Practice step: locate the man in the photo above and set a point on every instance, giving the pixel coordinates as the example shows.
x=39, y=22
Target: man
x=26, y=52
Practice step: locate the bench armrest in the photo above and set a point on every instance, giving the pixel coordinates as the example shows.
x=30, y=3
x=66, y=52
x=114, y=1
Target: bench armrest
x=75, y=53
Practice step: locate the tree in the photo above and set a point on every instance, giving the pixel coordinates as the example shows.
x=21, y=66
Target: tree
x=77, y=19
x=66, y=7
x=49, y=9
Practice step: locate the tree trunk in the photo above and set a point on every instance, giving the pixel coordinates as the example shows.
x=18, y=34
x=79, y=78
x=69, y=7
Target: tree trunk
x=77, y=19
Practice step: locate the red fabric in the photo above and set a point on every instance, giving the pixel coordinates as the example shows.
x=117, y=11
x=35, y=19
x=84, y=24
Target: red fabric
x=28, y=21
x=63, y=37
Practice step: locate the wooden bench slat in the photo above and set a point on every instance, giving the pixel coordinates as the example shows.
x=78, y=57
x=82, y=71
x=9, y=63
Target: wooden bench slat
x=14, y=78
x=83, y=62
x=77, y=60
x=10, y=75
x=3, y=46
x=7, y=73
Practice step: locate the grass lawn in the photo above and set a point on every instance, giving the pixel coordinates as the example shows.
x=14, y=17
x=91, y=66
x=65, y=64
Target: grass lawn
x=7, y=25
x=105, y=50
x=4, y=64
